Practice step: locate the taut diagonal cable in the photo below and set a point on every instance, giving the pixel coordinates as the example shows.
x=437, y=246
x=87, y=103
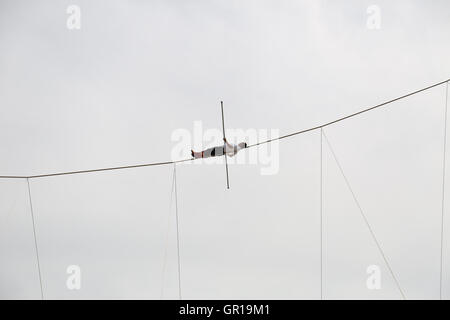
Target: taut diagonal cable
x=35, y=240
x=166, y=241
x=364, y=216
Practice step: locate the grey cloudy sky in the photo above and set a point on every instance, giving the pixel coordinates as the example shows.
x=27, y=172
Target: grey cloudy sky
x=113, y=92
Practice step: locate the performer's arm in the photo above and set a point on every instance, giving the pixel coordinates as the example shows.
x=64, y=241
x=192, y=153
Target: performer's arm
x=228, y=145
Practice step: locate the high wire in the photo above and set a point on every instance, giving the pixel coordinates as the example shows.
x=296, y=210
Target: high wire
x=249, y=146
x=353, y=114
x=96, y=170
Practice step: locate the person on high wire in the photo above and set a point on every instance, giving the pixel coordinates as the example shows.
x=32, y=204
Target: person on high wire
x=227, y=148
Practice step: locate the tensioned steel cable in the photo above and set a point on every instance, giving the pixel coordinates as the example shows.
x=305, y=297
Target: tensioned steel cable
x=166, y=240
x=363, y=215
x=351, y=115
x=321, y=214
x=253, y=145
x=443, y=191
x=96, y=170
x=35, y=240
x=178, y=232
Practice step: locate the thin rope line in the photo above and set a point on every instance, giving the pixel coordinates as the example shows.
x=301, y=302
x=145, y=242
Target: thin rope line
x=35, y=239
x=253, y=145
x=178, y=232
x=166, y=240
x=321, y=216
x=364, y=217
x=443, y=192
x=351, y=115
x=96, y=170
x=13, y=177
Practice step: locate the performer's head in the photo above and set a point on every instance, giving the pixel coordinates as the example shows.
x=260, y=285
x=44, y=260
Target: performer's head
x=242, y=145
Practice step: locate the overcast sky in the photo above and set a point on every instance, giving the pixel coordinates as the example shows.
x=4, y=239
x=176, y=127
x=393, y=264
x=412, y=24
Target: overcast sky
x=113, y=92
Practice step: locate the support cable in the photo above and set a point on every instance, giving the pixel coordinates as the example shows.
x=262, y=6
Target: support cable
x=443, y=192
x=364, y=217
x=178, y=232
x=35, y=240
x=166, y=240
x=321, y=215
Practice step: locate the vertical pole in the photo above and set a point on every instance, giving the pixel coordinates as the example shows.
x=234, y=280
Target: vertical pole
x=35, y=240
x=225, y=155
